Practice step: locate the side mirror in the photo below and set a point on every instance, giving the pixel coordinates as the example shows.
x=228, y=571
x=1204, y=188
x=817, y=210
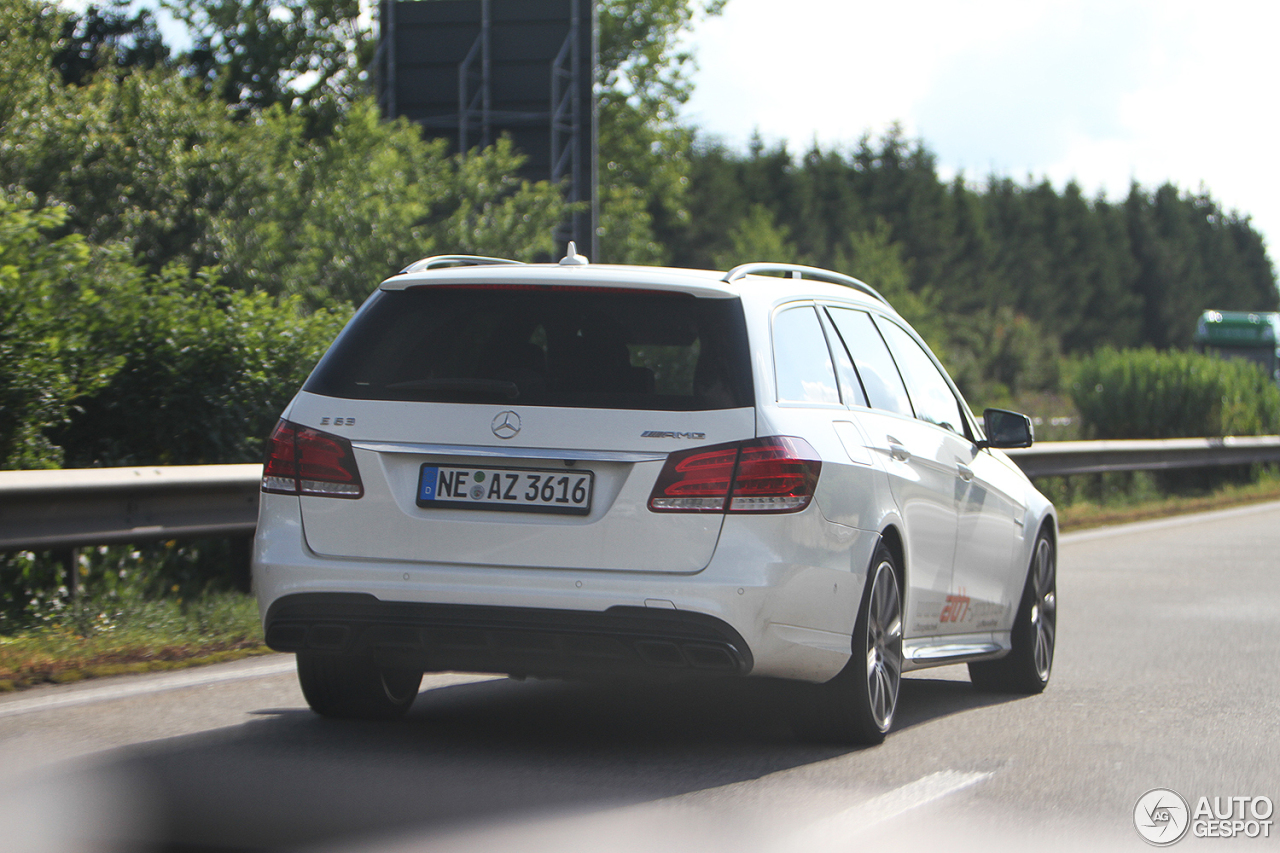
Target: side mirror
x=1006, y=429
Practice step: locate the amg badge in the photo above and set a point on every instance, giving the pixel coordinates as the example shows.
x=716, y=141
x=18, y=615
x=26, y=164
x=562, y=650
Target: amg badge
x=655, y=433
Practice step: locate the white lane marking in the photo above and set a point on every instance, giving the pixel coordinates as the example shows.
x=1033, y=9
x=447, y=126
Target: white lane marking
x=835, y=830
x=144, y=685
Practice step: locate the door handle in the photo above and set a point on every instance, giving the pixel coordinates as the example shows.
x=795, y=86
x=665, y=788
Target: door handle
x=898, y=450
x=966, y=473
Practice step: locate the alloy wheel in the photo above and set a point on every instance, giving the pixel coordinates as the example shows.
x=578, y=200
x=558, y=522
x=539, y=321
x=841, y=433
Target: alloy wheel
x=884, y=646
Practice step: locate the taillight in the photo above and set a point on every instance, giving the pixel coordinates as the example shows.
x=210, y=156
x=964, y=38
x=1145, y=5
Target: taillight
x=305, y=461
x=695, y=480
x=279, y=469
x=775, y=474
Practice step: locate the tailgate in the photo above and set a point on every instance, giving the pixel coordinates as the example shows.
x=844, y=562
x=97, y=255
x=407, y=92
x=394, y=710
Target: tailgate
x=612, y=458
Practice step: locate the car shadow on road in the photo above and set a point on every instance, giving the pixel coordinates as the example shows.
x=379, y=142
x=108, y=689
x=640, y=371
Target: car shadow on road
x=477, y=753
x=923, y=699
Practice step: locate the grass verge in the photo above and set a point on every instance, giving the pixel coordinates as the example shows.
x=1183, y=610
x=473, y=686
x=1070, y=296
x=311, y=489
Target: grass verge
x=95, y=637
x=1084, y=515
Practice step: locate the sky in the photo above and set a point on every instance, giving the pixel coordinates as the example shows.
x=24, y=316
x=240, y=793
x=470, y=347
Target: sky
x=1103, y=93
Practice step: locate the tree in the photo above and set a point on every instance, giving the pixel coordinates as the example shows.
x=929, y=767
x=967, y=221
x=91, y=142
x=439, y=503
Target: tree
x=873, y=257
x=717, y=202
x=1017, y=264
x=831, y=215
x=328, y=218
x=315, y=54
x=112, y=39
x=642, y=80
x=143, y=159
x=29, y=32
x=1170, y=270
x=54, y=306
x=757, y=237
x=256, y=53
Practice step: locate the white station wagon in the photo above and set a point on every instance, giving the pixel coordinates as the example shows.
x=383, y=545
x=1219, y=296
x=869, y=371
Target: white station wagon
x=572, y=470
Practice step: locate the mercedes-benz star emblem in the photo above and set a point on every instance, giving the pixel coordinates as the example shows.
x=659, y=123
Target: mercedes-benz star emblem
x=506, y=424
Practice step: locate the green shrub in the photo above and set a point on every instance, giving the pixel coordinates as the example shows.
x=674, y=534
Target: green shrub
x=1149, y=394
x=205, y=372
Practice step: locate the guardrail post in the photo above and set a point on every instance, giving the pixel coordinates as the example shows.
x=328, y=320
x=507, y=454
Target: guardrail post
x=69, y=558
x=241, y=558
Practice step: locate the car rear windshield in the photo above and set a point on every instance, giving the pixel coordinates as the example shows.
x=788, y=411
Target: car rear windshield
x=542, y=346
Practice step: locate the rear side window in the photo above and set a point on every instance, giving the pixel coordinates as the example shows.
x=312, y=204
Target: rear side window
x=802, y=361
x=543, y=346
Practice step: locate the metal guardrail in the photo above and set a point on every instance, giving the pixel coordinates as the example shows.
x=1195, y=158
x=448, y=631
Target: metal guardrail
x=70, y=508
x=1058, y=458
x=61, y=509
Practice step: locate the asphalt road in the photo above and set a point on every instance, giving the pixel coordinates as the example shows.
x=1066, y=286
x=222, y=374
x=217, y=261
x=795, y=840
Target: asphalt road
x=1167, y=675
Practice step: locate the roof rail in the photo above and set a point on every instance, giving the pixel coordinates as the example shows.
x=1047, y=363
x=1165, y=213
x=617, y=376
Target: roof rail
x=799, y=271
x=441, y=261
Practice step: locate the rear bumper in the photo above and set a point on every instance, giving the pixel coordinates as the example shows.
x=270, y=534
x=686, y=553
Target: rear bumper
x=781, y=594
x=515, y=640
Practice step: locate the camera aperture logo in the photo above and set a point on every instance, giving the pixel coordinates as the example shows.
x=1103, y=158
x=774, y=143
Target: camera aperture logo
x=1161, y=816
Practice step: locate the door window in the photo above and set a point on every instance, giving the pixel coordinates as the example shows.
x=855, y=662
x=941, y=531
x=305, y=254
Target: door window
x=850, y=386
x=930, y=393
x=880, y=379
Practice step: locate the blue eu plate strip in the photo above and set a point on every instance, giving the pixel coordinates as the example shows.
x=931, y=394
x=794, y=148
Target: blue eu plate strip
x=427, y=483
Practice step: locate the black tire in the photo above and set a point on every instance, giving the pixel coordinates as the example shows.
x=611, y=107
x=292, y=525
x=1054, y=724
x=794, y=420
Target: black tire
x=857, y=706
x=1027, y=667
x=353, y=688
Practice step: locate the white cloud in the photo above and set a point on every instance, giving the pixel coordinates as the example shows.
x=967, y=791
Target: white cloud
x=1027, y=98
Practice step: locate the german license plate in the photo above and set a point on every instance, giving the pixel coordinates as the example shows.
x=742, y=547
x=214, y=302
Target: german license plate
x=514, y=489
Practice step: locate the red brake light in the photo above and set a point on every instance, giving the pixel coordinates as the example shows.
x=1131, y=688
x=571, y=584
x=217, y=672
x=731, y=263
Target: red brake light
x=695, y=480
x=280, y=468
x=775, y=474
x=305, y=461
x=548, y=288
